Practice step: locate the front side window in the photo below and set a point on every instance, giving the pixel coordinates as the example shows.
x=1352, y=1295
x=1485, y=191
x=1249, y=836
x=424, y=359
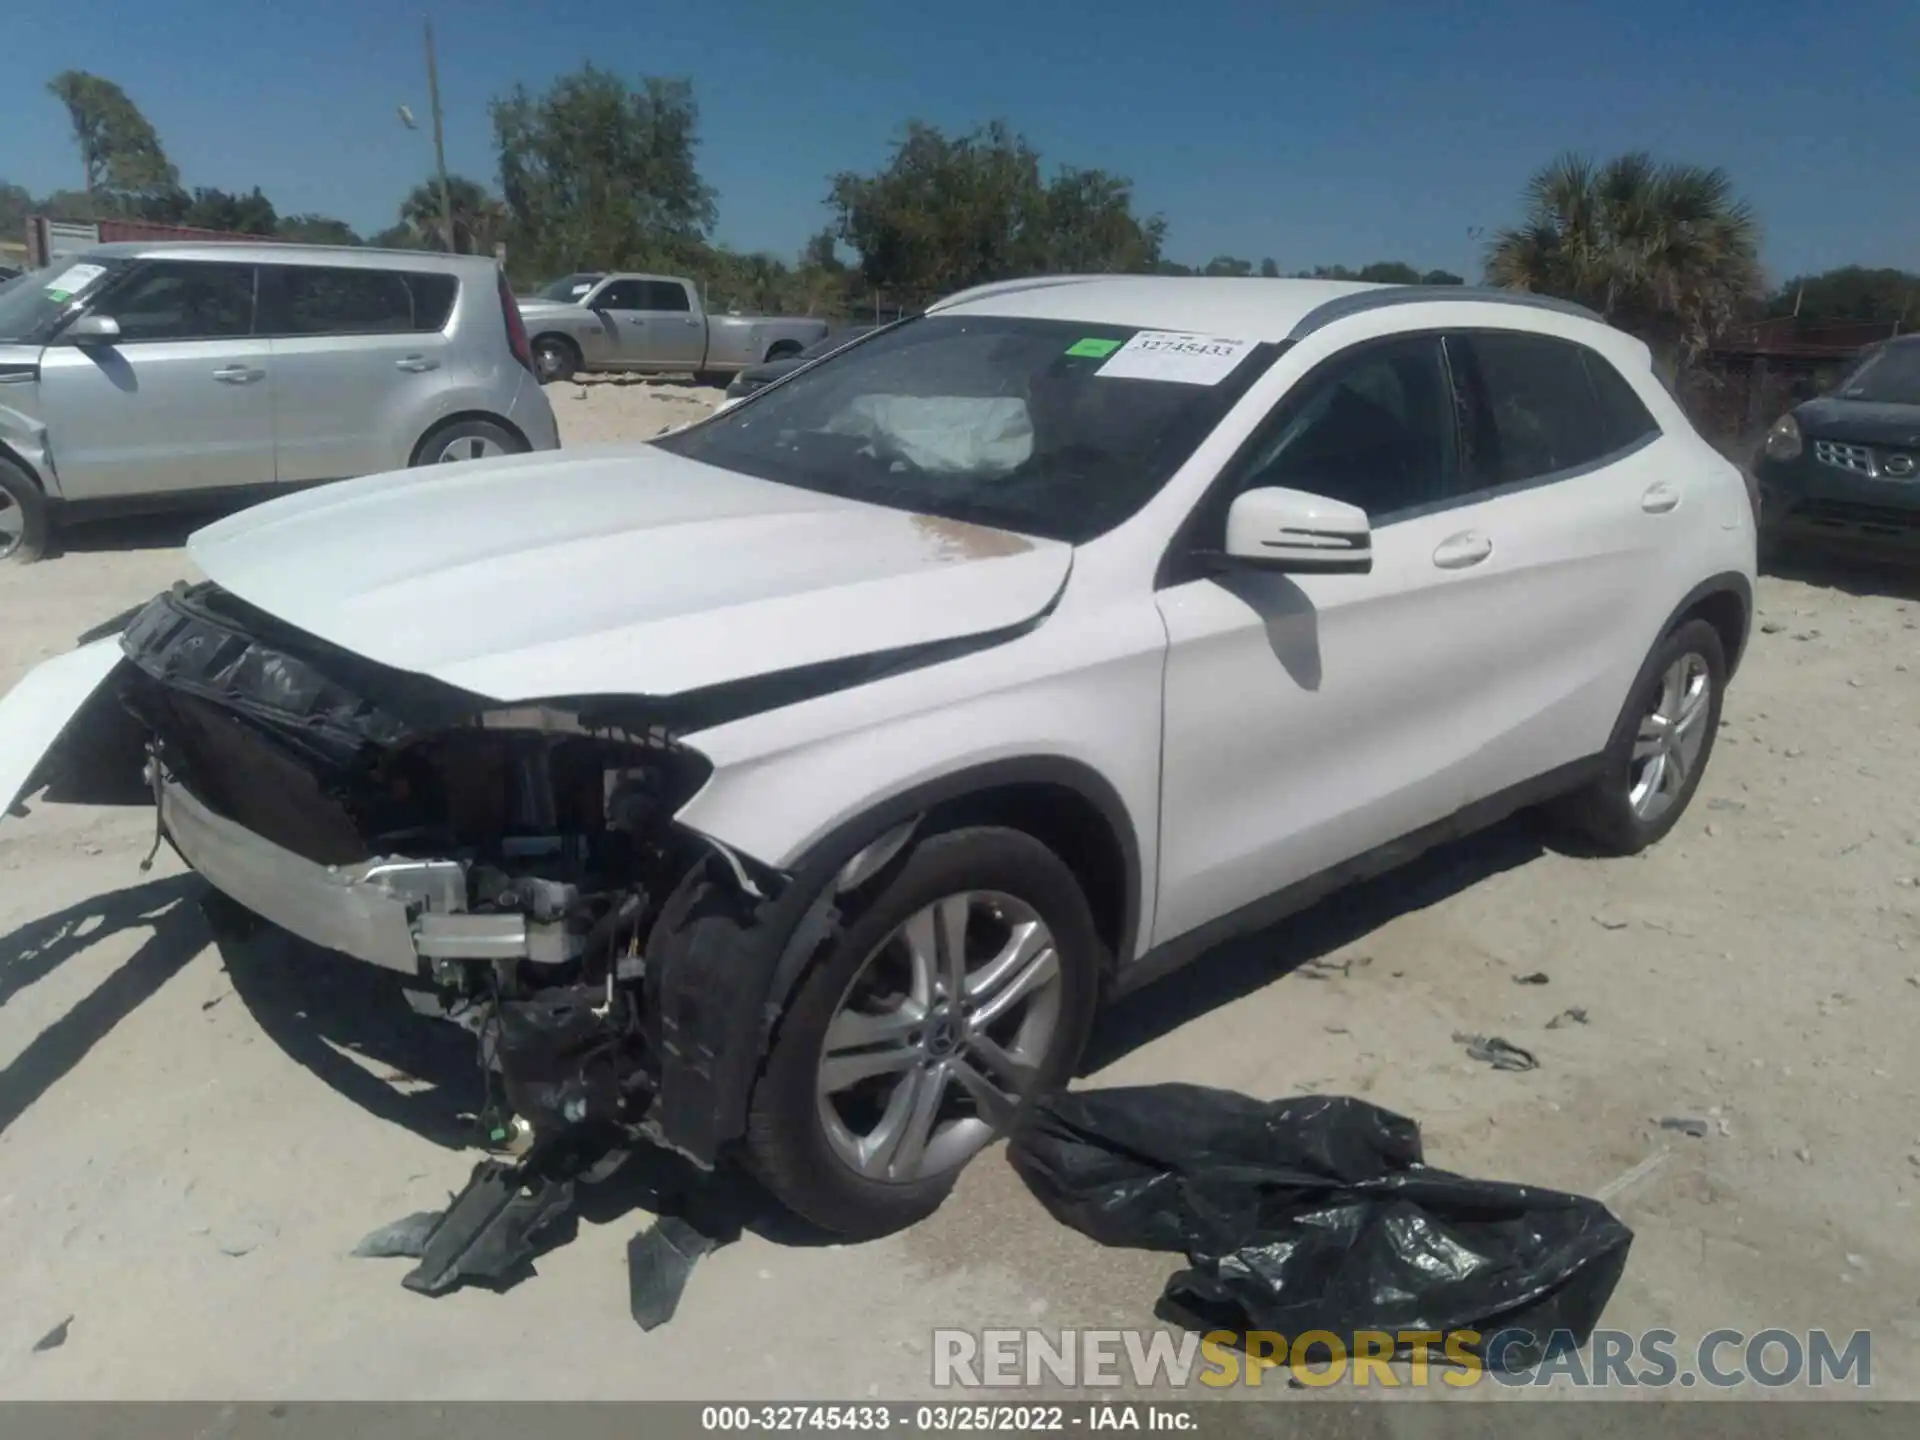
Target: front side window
x=620, y=295
x=1373, y=429
x=182, y=300
x=1004, y=422
x=1539, y=414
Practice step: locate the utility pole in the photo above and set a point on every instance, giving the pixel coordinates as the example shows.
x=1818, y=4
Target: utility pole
x=439, y=143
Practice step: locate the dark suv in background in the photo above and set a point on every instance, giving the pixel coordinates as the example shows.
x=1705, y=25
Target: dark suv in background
x=1846, y=465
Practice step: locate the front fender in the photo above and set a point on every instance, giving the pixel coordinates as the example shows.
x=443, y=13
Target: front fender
x=67, y=707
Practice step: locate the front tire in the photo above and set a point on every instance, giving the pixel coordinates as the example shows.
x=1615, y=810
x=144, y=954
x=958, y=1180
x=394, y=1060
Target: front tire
x=555, y=359
x=1660, y=746
x=23, y=516
x=879, y=1087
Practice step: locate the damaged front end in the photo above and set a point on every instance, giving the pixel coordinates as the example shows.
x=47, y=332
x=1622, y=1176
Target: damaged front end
x=521, y=864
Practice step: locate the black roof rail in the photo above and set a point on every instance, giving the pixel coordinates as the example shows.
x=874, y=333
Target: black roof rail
x=1361, y=301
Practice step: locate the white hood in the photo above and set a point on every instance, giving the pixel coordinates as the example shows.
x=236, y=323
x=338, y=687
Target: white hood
x=623, y=570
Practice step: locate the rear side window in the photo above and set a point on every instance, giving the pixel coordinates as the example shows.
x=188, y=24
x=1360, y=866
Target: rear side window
x=663, y=295
x=325, y=300
x=1624, y=418
x=183, y=300
x=1538, y=410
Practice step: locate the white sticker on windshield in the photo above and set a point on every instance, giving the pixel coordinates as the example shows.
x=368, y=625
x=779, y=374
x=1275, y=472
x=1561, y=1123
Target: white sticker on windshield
x=582, y=289
x=1170, y=355
x=73, y=280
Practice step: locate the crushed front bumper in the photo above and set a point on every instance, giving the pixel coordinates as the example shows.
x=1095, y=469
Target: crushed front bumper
x=391, y=912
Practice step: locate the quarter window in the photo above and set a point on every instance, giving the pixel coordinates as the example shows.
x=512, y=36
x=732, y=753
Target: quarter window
x=1623, y=414
x=183, y=300
x=1374, y=430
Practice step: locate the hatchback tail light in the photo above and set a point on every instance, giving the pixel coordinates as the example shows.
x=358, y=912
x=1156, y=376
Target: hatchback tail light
x=516, y=327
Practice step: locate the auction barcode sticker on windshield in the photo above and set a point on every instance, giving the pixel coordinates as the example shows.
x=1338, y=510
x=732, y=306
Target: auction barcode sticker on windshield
x=73, y=280
x=1170, y=355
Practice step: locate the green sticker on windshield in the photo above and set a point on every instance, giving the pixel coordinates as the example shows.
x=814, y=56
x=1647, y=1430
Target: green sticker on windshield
x=1093, y=349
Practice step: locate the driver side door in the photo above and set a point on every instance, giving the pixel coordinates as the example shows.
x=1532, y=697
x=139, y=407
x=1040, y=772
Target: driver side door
x=621, y=309
x=1309, y=719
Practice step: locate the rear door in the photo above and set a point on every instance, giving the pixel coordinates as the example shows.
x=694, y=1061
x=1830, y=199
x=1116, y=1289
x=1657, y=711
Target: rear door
x=180, y=402
x=1562, y=475
x=358, y=355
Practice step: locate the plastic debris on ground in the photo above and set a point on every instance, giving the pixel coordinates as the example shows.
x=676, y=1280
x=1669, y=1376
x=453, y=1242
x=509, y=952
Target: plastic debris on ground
x=1319, y=1213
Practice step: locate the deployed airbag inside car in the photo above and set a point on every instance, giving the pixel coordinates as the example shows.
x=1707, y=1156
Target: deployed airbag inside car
x=1319, y=1213
x=943, y=433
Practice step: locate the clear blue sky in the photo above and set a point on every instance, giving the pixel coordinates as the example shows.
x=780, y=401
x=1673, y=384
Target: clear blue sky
x=1317, y=134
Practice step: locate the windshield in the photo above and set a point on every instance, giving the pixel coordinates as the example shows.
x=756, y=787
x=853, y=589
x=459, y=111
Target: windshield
x=829, y=343
x=32, y=304
x=1053, y=428
x=568, y=288
x=1890, y=376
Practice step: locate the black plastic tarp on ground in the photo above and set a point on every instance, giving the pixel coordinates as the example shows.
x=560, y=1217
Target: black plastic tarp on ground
x=1319, y=1213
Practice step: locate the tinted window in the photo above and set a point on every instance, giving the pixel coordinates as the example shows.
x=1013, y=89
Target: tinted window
x=1373, y=429
x=663, y=295
x=620, y=295
x=1539, y=413
x=323, y=300
x=1626, y=420
x=183, y=300
x=1002, y=421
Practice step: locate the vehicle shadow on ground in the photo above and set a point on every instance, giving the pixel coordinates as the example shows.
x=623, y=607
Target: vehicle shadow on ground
x=35, y=950
x=135, y=532
x=1237, y=968
x=350, y=1026
x=1852, y=571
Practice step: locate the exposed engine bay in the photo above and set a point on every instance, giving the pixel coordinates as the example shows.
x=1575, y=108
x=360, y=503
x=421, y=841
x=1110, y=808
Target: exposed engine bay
x=523, y=865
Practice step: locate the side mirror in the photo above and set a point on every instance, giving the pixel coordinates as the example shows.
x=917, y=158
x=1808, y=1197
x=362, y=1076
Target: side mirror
x=1294, y=532
x=93, y=330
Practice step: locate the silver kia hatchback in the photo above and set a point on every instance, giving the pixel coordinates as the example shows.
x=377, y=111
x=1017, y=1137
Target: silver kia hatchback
x=137, y=376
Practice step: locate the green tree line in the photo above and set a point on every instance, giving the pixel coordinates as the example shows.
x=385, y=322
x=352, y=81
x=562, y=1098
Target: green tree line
x=597, y=172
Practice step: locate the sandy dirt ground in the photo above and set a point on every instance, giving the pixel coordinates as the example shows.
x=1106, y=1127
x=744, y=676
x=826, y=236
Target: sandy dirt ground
x=194, y=1135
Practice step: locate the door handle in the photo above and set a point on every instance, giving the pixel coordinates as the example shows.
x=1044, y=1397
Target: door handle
x=1660, y=498
x=239, y=375
x=689, y=321
x=416, y=364
x=1456, y=552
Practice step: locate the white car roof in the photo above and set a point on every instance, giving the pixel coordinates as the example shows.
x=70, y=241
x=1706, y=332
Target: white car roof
x=1243, y=308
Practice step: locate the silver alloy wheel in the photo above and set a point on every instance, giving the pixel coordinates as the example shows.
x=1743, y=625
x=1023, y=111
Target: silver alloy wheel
x=469, y=447
x=1667, y=749
x=938, y=1036
x=13, y=525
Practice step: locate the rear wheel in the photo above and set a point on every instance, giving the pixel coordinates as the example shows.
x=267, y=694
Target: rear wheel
x=1660, y=746
x=555, y=358
x=783, y=350
x=467, y=440
x=961, y=993
x=23, y=515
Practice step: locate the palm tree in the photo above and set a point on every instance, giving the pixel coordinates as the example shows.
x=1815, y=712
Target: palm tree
x=478, y=218
x=1664, y=250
